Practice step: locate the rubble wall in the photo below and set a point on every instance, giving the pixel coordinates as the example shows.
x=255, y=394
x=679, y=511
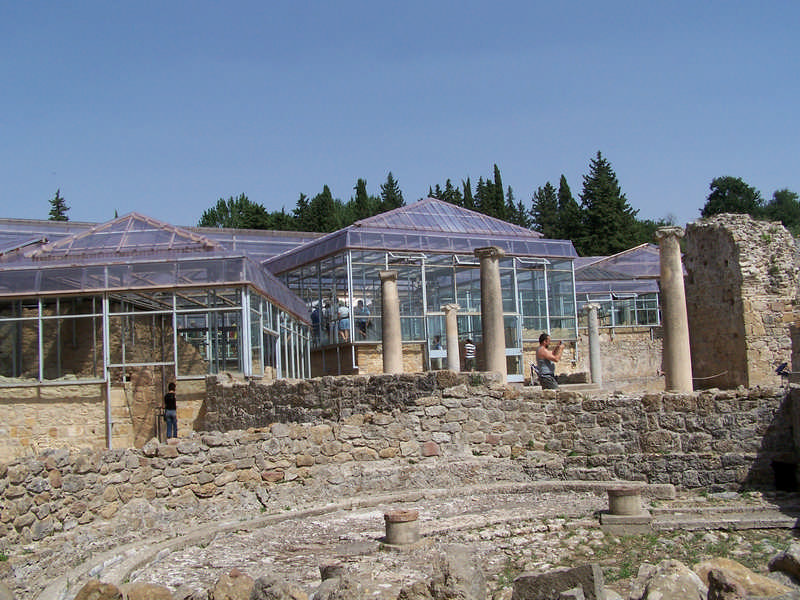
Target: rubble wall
x=707, y=439
x=741, y=287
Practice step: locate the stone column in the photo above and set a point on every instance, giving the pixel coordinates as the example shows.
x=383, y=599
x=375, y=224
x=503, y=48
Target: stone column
x=390, y=323
x=595, y=364
x=494, y=339
x=451, y=335
x=677, y=353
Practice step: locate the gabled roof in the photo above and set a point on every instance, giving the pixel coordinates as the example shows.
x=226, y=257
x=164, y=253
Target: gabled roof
x=432, y=226
x=435, y=215
x=640, y=262
x=127, y=235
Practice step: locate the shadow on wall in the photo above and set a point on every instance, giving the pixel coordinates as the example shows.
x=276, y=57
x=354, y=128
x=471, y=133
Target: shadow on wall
x=776, y=462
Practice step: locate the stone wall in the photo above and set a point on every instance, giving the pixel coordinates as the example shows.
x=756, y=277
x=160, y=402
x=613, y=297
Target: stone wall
x=630, y=358
x=740, y=292
x=709, y=439
x=36, y=418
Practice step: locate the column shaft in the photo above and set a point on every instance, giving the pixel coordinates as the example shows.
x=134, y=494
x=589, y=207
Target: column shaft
x=390, y=323
x=677, y=353
x=451, y=331
x=494, y=340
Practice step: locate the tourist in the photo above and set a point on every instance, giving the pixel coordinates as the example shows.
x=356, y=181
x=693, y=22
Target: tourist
x=469, y=355
x=171, y=411
x=344, y=322
x=362, y=323
x=545, y=362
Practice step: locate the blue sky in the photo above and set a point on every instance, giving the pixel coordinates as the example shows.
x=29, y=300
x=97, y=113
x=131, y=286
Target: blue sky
x=165, y=107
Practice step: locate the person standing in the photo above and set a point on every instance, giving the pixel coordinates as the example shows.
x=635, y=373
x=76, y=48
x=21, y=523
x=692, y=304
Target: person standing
x=545, y=362
x=361, y=313
x=469, y=355
x=171, y=411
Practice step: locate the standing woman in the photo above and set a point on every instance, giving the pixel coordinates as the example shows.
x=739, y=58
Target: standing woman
x=171, y=411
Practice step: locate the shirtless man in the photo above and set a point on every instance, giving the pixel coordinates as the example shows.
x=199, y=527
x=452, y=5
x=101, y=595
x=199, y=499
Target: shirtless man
x=545, y=361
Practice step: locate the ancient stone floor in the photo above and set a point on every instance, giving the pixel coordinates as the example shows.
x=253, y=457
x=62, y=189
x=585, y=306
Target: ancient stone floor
x=509, y=528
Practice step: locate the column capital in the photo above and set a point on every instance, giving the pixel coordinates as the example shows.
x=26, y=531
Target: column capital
x=388, y=275
x=590, y=306
x=489, y=252
x=672, y=230
x=451, y=306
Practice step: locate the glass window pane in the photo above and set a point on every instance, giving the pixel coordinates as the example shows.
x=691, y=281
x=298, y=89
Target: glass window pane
x=19, y=349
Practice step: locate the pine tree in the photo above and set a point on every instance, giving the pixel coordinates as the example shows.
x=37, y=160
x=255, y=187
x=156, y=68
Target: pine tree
x=569, y=213
x=609, y=222
x=58, y=208
x=452, y=194
x=544, y=211
x=468, y=200
x=391, y=196
x=325, y=212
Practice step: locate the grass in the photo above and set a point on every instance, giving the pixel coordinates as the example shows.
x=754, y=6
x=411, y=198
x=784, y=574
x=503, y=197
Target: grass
x=3, y=557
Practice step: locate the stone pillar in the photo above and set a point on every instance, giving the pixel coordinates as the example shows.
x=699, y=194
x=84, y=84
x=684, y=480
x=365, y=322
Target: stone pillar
x=677, y=353
x=595, y=364
x=390, y=324
x=494, y=339
x=402, y=527
x=451, y=335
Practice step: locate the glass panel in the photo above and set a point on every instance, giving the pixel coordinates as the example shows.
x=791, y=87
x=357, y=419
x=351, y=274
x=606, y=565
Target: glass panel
x=367, y=297
x=193, y=344
x=73, y=347
x=514, y=364
x=140, y=338
x=255, y=343
x=511, y=331
x=440, y=286
x=19, y=349
x=561, y=304
x=468, y=288
x=508, y=289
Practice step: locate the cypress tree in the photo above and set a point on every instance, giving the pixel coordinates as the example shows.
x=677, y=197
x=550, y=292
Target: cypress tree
x=569, y=213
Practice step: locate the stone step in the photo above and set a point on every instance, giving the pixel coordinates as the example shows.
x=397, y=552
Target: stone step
x=758, y=519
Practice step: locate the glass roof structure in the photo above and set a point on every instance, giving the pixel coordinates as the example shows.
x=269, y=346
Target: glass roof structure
x=632, y=271
x=134, y=252
x=429, y=225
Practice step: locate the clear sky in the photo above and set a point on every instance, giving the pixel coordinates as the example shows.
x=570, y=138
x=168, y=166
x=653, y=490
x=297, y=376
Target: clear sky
x=163, y=107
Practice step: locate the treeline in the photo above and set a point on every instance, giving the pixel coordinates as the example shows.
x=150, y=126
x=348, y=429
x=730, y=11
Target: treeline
x=733, y=195
x=600, y=221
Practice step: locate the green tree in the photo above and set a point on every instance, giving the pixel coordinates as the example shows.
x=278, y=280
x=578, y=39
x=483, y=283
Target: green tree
x=784, y=207
x=569, y=221
x=452, y=194
x=516, y=211
x=468, y=199
x=364, y=205
x=325, y=213
x=391, y=196
x=489, y=197
x=609, y=223
x=732, y=195
x=235, y=213
x=302, y=215
x=58, y=208
x=544, y=211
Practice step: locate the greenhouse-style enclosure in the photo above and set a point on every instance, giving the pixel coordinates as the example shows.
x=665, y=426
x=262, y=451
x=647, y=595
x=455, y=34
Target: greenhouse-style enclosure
x=431, y=246
x=624, y=286
x=138, y=293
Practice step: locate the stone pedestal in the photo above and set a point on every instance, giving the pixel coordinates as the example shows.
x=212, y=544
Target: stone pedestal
x=451, y=335
x=390, y=324
x=402, y=527
x=677, y=353
x=595, y=364
x=494, y=339
x=626, y=515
